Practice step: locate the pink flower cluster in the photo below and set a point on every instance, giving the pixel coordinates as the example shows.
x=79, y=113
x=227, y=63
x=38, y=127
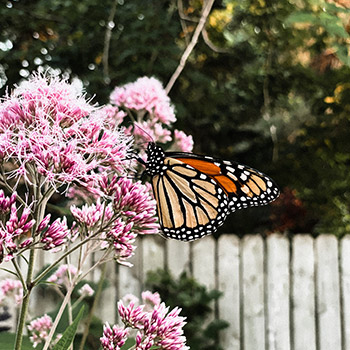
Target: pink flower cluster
x=63, y=275
x=16, y=231
x=90, y=215
x=39, y=329
x=145, y=94
x=152, y=112
x=11, y=288
x=6, y=202
x=126, y=211
x=155, y=327
x=46, y=127
x=55, y=235
x=86, y=291
x=134, y=201
x=113, y=337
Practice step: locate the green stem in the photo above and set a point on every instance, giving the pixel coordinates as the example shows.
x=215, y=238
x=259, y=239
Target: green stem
x=25, y=303
x=93, y=307
x=59, y=315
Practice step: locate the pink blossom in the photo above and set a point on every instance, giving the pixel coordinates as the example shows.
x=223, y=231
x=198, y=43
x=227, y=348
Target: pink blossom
x=39, y=329
x=90, y=215
x=6, y=202
x=56, y=234
x=134, y=201
x=46, y=127
x=113, y=115
x=113, y=337
x=63, y=275
x=150, y=299
x=121, y=237
x=156, y=325
x=145, y=94
x=132, y=316
x=182, y=142
x=86, y=290
x=13, y=234
x=11, y=288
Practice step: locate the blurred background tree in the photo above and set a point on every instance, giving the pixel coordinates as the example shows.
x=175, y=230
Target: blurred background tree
x=267, y=84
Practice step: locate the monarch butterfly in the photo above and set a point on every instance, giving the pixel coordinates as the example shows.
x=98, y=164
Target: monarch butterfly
x=195, y=194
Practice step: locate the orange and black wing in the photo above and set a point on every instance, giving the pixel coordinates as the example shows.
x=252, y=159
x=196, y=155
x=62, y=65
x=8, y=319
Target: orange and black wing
x=190, y=204
x=244, y=186
x=195, y=193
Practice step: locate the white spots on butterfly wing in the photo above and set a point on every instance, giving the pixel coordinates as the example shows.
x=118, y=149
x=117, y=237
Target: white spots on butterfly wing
x=243, y=177
x=230, y=169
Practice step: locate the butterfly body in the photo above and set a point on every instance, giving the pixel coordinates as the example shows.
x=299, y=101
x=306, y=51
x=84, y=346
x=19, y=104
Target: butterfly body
x=195, y=193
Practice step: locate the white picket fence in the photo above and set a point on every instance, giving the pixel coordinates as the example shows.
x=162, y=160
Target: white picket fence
x=279, y=294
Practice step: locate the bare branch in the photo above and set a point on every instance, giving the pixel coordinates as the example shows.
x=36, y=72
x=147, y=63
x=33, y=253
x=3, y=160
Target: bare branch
x=205, y=13
x=210, y=44
x=107, y=42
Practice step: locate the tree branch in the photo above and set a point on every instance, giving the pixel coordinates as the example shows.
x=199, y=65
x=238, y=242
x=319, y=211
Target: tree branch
x=205, y=13
x=107, y=42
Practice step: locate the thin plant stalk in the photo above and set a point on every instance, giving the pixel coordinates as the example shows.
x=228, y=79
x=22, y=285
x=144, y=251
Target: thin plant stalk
x=94, y=305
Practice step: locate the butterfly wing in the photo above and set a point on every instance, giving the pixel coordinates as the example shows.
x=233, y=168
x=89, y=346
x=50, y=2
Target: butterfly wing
x=244, y=186
x=190, y=203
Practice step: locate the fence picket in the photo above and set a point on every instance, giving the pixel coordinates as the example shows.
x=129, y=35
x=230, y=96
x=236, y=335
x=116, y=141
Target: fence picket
x=178, y=257
x=303, y=293
x=204, y=266
x=278, y=335
x=253, y=293
x=327, y=283
x=345, y=284
x=153, y=253
x=204, y=262
x=229, y=284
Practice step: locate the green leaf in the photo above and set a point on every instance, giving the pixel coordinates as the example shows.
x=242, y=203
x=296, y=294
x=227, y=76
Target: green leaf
x=69, y=333
x=8, y=339
x=301, y=17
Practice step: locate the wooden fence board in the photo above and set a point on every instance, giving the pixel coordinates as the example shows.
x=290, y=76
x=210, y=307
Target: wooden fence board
x=204, y=262
x=153, y=253
x=204, y=266
x=253, y=293
x=328, y=293
x=178, y=257
x=345, y=289
x=303, y=293
x=229, y=284
x=278, y=334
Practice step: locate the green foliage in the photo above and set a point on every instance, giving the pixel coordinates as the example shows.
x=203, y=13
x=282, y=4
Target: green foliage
x=69, y=333
x=196, y=303
x=8, y=339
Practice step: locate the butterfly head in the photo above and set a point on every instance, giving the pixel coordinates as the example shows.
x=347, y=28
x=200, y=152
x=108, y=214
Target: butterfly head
x=155, y=159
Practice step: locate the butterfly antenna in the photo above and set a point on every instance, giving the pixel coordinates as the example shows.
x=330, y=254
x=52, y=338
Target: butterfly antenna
x=145, y=132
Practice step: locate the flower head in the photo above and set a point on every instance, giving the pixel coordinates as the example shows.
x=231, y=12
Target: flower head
x=48, y=128
x=145, y=94
x=39, y=329
x=182, y=142
x=86, y=290
x=155, y=324
x=113, y=337
x=134, y=201
x=63, y=275
x=56, y=234
x=11, y=288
